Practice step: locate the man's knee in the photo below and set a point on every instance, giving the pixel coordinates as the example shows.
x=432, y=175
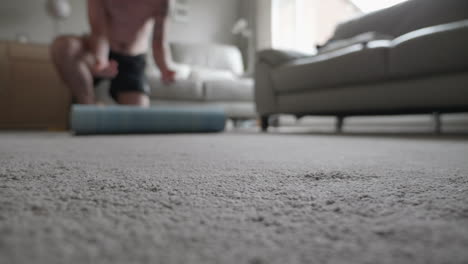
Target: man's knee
x=133, y=98
x=64, y=47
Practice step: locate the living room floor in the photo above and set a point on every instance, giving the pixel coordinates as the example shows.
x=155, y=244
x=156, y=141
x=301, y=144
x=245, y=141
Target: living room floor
x=235, y=197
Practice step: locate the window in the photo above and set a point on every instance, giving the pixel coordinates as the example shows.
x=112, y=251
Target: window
x=291, y=29
x=373, y=5
x=302, y=24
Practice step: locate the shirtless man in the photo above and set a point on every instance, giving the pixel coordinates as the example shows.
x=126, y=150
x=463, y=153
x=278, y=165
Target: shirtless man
x=115, y=49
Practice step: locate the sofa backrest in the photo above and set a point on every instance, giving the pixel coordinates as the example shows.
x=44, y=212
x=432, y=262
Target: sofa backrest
x=213, y=56
x=405, y=17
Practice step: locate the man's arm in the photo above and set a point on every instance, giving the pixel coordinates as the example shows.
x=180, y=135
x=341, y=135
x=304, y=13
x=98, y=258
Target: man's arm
x=98, y=41
x=159, y=43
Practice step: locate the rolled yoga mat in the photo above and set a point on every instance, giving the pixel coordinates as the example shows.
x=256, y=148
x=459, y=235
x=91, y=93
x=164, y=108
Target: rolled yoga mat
x=91, y=119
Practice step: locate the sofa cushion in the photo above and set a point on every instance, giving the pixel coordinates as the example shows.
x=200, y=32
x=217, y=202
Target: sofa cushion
x=229, y=90
x=437, y=49
x=204, y=74
x=215, y=56
x=184, y=89
x=182, y=71
x=355, y=64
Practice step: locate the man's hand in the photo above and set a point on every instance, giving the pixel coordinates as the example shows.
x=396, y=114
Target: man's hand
x=168, y=76
x=101, y=66
x=105, y=68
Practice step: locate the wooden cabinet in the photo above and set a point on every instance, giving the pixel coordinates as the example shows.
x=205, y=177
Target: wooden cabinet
x=31, y=94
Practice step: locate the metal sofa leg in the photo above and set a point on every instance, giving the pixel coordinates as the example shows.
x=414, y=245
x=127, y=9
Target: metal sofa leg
x=235, y=123
x=274, y=121
x=339, y=124
x=264, y=122
x=437, y=122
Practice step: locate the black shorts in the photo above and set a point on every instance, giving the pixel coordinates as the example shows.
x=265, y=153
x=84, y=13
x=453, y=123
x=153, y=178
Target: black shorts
x=131, y=76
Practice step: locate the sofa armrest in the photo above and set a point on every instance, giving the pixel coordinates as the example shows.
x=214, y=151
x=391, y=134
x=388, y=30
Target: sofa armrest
x=276, y=58
x=267, y=61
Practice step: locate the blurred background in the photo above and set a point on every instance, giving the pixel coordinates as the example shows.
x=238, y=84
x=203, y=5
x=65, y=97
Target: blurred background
x=248, y=26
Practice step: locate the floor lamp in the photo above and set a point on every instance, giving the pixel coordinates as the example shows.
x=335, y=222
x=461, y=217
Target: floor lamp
x=58, y=10
x=241, y=27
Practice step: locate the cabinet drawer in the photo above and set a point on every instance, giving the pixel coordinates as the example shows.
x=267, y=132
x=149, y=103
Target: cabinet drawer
x=4, y=72
x=3, y=49
x=30, y=52
x=37, y=97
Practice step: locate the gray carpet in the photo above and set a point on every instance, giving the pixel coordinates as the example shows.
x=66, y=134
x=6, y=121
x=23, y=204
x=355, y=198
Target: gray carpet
x=233, y=198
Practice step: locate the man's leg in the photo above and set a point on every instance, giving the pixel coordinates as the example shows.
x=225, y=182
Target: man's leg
x=68, y=56
x=133, y=98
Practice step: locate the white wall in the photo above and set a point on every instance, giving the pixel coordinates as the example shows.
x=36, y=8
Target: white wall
x=209, y=21
x=29, y=18
x=258, y=13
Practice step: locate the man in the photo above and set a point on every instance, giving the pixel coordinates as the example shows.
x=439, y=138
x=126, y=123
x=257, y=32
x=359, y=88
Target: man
x=115, y=49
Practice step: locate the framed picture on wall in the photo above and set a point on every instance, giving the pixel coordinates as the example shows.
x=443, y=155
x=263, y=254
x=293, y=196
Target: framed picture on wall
x=180, y=10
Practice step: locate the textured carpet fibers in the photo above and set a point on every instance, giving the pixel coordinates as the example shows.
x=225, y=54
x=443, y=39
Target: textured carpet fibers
x=233, y=198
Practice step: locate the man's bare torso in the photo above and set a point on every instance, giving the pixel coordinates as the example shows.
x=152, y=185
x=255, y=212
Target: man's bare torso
x=130, y=23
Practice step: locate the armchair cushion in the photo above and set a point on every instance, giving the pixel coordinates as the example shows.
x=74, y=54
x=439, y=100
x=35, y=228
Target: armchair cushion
x=182, y=70
x=229, y=90
x=184, y=89
x=206, y=74
x=215, y=56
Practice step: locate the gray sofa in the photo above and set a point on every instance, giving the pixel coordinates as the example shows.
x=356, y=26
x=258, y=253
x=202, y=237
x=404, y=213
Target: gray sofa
x=410, y=58
x=206, y=74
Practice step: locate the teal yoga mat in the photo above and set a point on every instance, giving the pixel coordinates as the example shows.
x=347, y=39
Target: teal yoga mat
x=90, y=119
